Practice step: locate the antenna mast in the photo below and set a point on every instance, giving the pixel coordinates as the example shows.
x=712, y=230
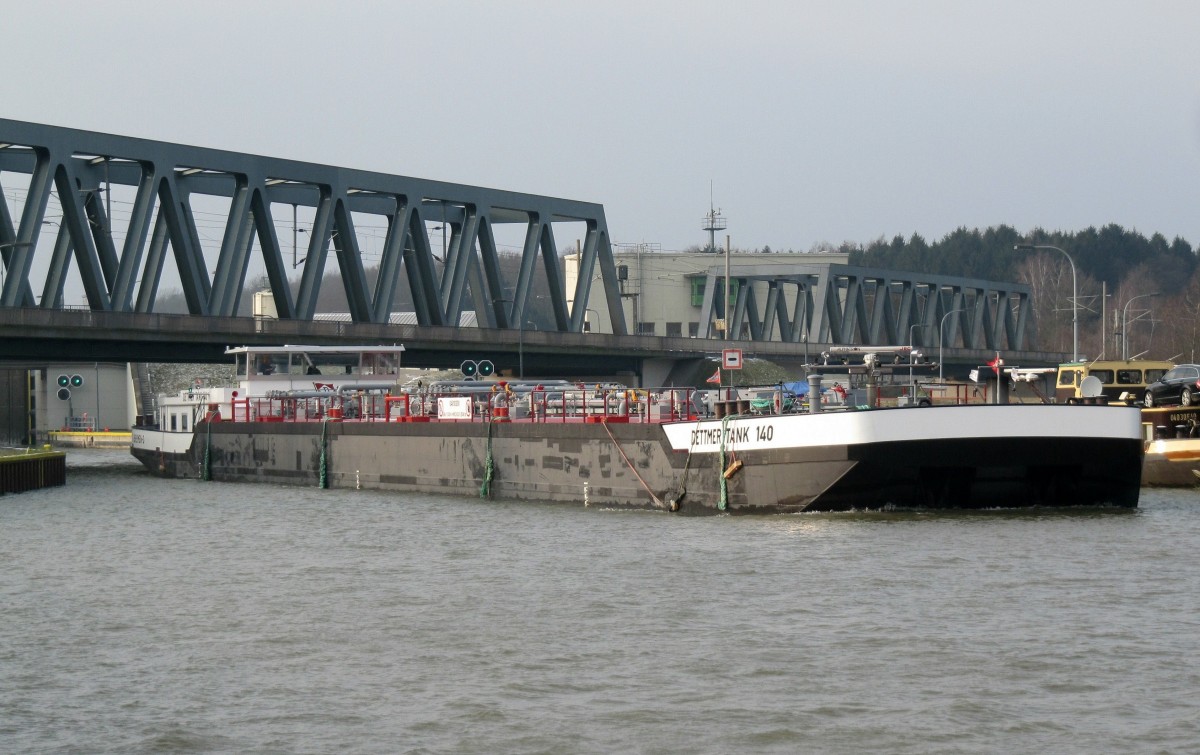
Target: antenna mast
x=713, y=222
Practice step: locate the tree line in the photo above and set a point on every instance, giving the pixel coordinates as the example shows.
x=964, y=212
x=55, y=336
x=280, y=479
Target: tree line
x=1149, y=285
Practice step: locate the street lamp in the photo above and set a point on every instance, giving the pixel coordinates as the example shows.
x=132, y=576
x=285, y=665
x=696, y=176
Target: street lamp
x=911, y=347
x=520, y=334
x=521, y=346
x=588, y=322
x=1124, y=329
x=441, y=228
x=1074, y=296
x=942, y=341
x=521, y=349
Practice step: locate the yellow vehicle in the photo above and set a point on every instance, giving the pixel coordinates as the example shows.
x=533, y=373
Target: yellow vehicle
x=1118, y=379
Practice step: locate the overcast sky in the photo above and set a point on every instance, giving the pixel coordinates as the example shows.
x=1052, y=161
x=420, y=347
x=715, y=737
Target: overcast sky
x=814, y=122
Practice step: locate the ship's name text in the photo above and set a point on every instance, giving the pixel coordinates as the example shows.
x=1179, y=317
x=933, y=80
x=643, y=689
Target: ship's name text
x=763, y=433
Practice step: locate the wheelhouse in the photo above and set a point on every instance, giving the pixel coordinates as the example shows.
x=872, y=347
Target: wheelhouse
x=1117, y=378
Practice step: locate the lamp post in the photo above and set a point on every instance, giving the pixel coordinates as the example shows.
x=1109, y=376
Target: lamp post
x=911, y=347
x=588, y=321
x=441, y=228
x=1124, y=328
x=1074, y=296
x=521, y=322
x=521, y=349
x=804, y=328
x=942, y=340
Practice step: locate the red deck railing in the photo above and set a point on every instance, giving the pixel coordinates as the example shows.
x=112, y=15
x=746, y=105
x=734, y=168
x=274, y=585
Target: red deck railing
x=580, y=405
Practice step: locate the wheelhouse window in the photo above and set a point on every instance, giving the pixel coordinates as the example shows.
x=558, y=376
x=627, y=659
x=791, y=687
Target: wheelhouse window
x=1129, y=377
x=380, y=364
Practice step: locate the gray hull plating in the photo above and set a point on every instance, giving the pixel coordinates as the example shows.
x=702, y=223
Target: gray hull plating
x=623, y=465
x=634, y=465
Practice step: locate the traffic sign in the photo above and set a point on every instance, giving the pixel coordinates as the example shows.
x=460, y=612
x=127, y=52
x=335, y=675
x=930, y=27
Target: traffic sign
x=731, y=359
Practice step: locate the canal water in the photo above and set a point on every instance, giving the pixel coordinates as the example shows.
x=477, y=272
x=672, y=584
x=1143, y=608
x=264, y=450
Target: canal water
x=140, y=615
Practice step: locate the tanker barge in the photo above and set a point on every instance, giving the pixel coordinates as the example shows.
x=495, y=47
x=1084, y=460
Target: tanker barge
x=338, y=417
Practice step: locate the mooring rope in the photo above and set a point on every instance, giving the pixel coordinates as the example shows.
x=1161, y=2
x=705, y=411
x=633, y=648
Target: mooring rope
x=206, y=467
x=485, y=489
x=723, y=502
x=681, y=488
x=323, y=480
x=657, y=501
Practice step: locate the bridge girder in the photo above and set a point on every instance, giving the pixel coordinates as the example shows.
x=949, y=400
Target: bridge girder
x=78, y=167
x=846, y=304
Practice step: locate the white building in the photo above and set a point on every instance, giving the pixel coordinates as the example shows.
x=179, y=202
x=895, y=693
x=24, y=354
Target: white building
x=662, y=292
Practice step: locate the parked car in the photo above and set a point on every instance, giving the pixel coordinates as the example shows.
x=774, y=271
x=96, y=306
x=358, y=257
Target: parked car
x=1181, y=385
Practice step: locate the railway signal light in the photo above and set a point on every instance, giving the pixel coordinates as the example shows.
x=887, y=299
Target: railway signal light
x=66, y=383
x=473, y=370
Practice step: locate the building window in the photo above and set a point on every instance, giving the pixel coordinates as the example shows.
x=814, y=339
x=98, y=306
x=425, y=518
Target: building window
x=698, y=291
x=674, y=329
x=645, y=328
x=693, y=329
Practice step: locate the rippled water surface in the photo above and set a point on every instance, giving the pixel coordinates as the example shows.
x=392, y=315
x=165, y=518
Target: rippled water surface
x=143, y=615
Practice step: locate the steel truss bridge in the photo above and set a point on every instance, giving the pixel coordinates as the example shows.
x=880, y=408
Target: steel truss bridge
x=120, y=267
x=844, y=304
x=79, y=167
